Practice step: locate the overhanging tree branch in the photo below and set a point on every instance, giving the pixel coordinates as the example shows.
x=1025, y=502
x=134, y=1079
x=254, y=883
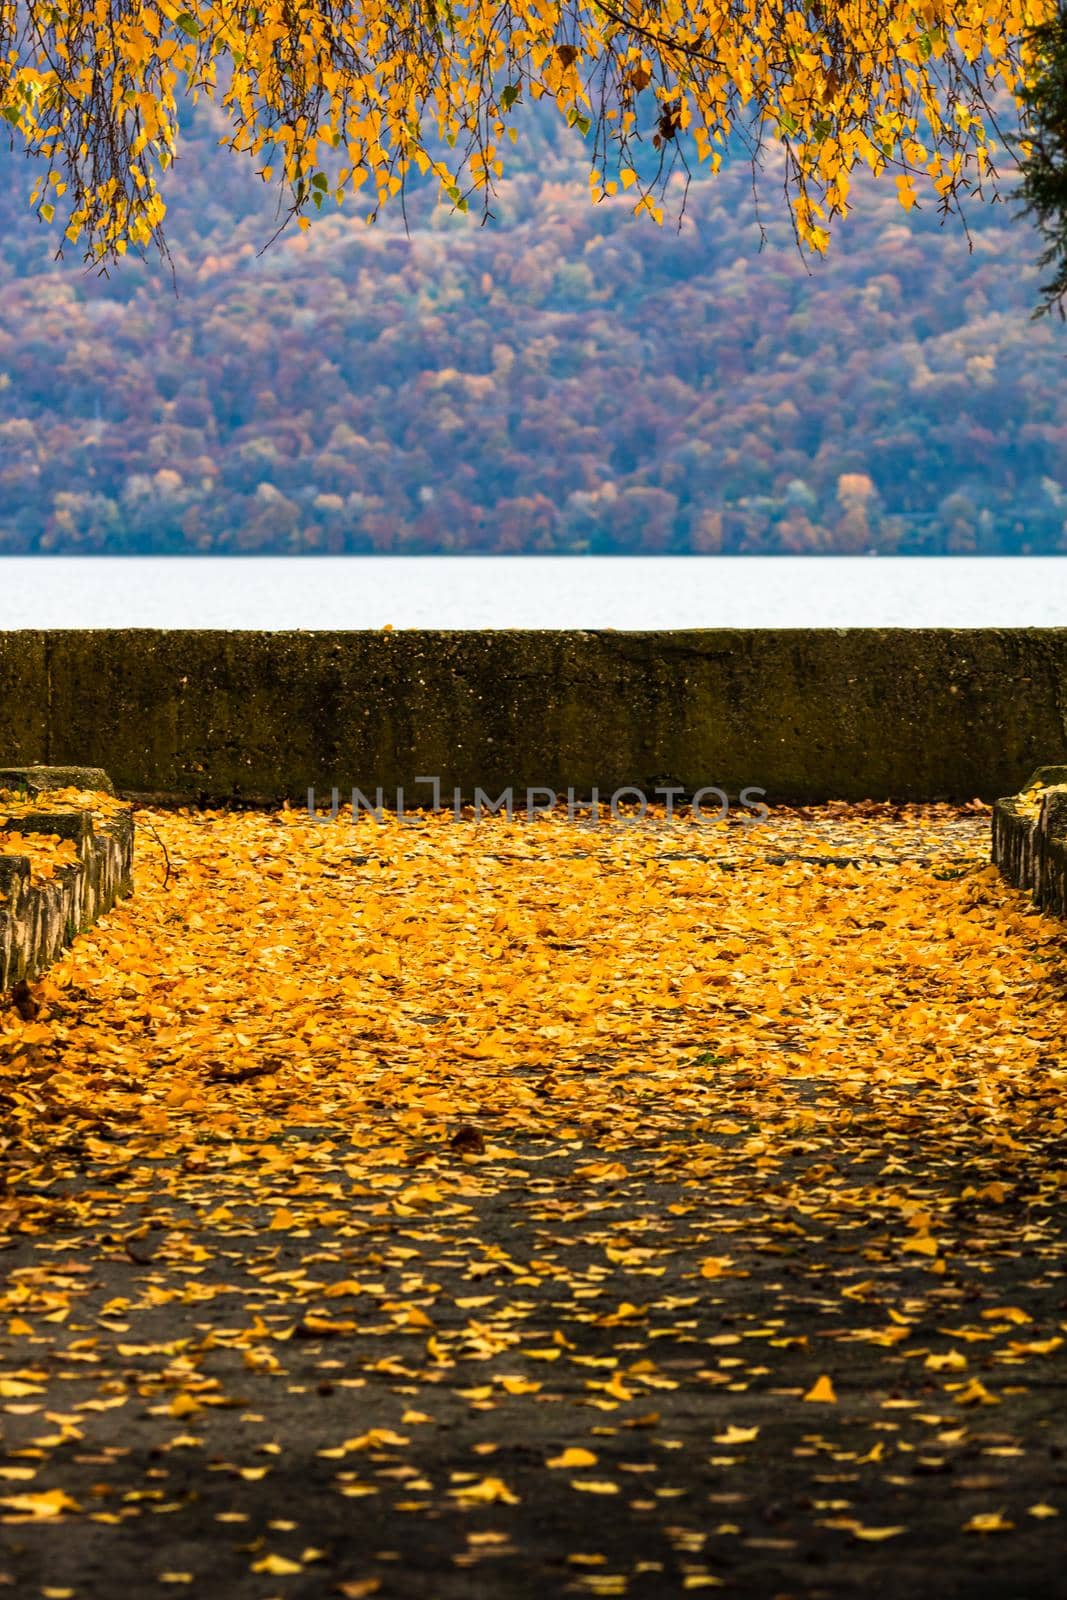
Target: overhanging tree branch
x=334, y=99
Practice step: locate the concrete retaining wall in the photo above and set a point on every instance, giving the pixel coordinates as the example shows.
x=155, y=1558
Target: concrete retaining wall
x=806, y=715
x=38, y=919
x=1030, y=839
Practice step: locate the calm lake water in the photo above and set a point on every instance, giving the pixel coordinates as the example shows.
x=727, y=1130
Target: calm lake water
x=532, y=592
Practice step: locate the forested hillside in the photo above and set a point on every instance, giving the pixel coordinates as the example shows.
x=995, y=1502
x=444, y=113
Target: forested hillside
x=566, y=378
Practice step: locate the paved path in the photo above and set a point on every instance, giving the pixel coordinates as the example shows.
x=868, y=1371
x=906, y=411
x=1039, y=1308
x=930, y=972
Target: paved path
x=758, y=1305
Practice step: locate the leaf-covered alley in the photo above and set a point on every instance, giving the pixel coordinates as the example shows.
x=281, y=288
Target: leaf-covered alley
x=530, y=1209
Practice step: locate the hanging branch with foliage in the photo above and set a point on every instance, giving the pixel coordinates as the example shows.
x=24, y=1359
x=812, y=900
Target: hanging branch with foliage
x=332, y=98
x=1043, y=154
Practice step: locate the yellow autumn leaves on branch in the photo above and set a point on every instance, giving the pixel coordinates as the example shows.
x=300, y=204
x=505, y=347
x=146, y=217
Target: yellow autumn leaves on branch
x=332, y=100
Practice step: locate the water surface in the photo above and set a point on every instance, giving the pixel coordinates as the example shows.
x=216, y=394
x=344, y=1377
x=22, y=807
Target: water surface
x=532, y=592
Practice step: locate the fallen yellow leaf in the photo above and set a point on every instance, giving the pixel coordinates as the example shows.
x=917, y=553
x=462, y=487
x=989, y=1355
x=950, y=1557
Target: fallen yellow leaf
x=988, y=1522
x=573, y=1457
x=49, y=1503
x=277, y=1566
x=715, y=1266
x=486, y=1492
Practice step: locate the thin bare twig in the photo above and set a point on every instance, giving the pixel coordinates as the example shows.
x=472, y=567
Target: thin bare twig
x=141, y=823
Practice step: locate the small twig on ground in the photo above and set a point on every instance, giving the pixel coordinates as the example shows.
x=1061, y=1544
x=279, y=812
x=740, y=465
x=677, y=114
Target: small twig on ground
x=141, y=823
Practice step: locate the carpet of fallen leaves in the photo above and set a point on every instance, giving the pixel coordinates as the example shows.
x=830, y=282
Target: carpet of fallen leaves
x=47, y=851
x=529, y=1209
x=44, y=851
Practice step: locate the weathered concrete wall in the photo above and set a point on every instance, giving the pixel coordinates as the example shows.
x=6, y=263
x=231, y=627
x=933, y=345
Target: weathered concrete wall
x=1030, y=838
x=805, y=715
x=38, y=919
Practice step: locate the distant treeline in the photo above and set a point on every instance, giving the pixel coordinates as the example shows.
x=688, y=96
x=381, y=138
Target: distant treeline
x=566, y=378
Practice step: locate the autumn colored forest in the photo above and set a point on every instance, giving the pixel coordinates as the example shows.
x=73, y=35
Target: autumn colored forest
x=566, y=378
